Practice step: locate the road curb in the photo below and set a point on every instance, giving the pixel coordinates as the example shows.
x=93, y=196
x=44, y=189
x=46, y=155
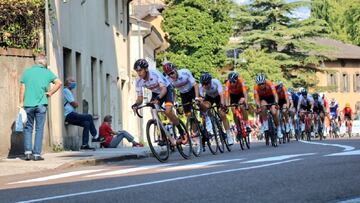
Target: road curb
x=102, y=160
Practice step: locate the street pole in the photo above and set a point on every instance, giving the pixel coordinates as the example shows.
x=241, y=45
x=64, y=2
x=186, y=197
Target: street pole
x=234, y=59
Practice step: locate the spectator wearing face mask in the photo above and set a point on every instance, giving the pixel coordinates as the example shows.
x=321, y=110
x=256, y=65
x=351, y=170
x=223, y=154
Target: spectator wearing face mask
x=74, y=118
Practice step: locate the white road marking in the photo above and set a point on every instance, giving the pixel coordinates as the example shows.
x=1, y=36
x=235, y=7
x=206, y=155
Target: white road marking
x=348, y=153
x=129, y=170
x=158, y=182
x=355, y=200
x=278, y=158
x=62, y=175
x=198, y=165
x=346, y=147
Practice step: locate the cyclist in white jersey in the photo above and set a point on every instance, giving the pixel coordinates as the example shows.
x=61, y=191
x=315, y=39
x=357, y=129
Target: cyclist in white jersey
x=184, y=81
x=162, y=91
x=211, y=91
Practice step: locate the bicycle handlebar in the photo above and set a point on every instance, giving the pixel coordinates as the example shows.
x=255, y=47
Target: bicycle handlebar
x=136, y=110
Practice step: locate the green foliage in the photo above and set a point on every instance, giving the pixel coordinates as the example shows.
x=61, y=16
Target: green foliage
x=197, y=31
x=278, y=44
x=20, y=22
x=342, y=17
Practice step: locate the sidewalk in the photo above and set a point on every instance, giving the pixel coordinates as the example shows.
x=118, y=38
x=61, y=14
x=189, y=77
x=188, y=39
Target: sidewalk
x=68, y=159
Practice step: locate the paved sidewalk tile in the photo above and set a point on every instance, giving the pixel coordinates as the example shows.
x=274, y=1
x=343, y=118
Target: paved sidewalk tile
x=69, y=159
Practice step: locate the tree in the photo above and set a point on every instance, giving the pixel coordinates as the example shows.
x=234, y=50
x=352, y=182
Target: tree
x=198, y=31
x=342, y=17
x=20, y=23
x=277, y=43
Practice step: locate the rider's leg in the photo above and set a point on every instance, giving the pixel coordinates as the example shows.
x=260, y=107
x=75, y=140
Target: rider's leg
x=226, y=125
x=286, y=116
x=275, y=114
x=263, y=116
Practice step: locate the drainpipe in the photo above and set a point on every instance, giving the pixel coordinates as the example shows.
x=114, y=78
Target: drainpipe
x=46, y=47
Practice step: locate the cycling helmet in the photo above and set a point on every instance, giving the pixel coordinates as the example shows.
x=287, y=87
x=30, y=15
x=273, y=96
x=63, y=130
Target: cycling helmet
x=347, y=105
x=280, y=84
x=315, y=96
x=291, y=90
x=168, y=68
x=205, y=78
x=333, y=100
x=303, y=92
x=233, y=77
x=260, y=79
x=141, y=64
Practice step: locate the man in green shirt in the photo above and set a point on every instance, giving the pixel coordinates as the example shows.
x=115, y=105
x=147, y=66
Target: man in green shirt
x=34, y=94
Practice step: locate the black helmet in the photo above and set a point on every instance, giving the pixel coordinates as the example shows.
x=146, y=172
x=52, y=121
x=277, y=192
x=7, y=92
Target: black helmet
x=233, y=77
x=315, y=96
x=303, y=92
x=205, y=78
x=141, y=64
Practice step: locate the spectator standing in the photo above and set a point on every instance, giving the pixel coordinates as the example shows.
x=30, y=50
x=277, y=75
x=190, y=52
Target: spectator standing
x=112, y=138
x=72, y=117
x=33, y=96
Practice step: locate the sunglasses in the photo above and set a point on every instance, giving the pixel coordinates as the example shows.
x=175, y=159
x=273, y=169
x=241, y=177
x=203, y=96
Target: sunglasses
x=205, y=84
x=171, y=73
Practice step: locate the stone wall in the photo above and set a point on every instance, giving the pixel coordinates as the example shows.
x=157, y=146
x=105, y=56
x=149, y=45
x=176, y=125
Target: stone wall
x=12, y=64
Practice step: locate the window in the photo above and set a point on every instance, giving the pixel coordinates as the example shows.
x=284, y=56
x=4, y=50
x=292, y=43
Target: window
x=356, y=81
x=67, y=63
x=94, y=88
x=78, y=78
x=106, y=10
x=345, y=87
x=332, y=82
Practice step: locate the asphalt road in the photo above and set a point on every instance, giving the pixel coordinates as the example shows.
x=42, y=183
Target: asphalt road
x=326, y=171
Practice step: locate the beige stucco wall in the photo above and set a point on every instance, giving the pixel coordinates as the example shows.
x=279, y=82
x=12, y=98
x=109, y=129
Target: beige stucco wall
x=84, y=32
x=351, y=67
x=13, y=62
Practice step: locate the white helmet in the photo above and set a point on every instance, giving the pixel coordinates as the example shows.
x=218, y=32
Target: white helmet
x=260, y=79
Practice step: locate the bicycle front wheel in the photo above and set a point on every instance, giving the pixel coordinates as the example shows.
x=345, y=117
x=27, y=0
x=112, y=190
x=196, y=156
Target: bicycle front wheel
x=220, y=134
x=158, y=143
x=195, y=135
x=185, y=146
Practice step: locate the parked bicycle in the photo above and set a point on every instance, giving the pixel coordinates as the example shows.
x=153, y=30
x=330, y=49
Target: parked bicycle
x=158, y=136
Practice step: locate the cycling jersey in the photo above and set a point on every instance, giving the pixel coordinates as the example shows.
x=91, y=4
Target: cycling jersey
x=318, y=107
x=238, y=88
x=281, y=92
x=184, y=82
x=295, y=98
x=333, y=110
x=155, y=78
x=267, y=93
x=214, y=90
x=347, y=112
x=305, y=103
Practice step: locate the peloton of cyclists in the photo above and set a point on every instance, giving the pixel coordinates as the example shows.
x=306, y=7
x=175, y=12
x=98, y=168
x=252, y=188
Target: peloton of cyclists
x=211, y=91
x=162, y=92
x=184, y=81
x=305, y=104
x=284, y=103
x=264, y=94
x=236, y=93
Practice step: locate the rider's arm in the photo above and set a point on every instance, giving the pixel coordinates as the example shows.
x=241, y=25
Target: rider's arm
x=196, y=88
x=244, y=88
x=163, y=91
x=139, y=100
x=226, y=93
x=273, y=90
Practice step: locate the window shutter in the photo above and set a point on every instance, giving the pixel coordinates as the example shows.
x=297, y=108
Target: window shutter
x=342, y=82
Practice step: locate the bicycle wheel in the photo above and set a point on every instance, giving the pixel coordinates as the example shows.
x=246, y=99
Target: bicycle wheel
x=158, y=143
x=220, y=134
x=247, y=141
x=272, y=131
x=195, y=135
x=185, y=147
x=212, y=139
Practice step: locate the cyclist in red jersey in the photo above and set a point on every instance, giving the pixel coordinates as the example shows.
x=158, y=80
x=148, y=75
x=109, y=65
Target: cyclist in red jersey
x=284, y=102
x=347, y=111
x=236, y=93
x=265, y=93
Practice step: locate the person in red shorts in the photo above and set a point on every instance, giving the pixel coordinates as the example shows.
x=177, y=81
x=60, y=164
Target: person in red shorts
x=112, y=138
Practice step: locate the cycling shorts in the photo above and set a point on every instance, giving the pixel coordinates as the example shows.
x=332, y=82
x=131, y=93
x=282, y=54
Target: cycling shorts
x=212, y=100
x=235, y=98
x=187, y=97
x=168, y=98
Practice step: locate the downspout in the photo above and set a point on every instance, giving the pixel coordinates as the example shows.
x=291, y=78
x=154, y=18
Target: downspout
x=47, y=21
